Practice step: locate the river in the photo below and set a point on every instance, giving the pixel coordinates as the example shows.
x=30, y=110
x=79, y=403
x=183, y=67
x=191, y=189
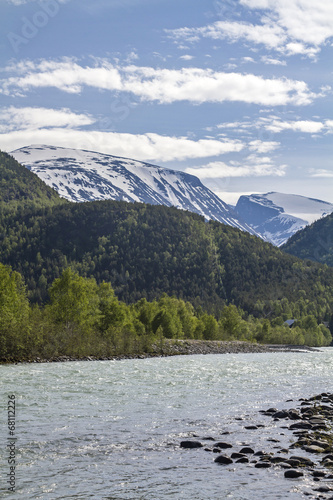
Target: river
x=112, y=429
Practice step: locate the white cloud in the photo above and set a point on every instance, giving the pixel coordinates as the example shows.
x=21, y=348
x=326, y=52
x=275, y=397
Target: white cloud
x=186, y=57
x=252, y=166
x=275, y=125
x=163, y=85
x=304, y=20
x=147, y=146
x=291, y=27
x=271, y=60
x=270, y=35
x=307, y=126
x=34, y=118
x=263, y=146
x=321, y=173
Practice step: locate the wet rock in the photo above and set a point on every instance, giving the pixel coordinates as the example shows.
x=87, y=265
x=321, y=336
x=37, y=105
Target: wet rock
x=303, y=460
x=246, y=450
x=293, y=474
x=327, y=463
x=300, y=425
x=272, y=410
x=323, y=489
x=276, y=460
x=281, y=414
x=190, y=444
x=263, y=465
x=222, y=459
x=294, y=414
x=284, y=465
x=238, y=455
x=251, y=427
x=318, y=473
x=242, y=460
x=313, y=449
x=223, y=445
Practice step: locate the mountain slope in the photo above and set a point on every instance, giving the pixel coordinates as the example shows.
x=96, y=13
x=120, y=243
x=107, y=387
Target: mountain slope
x=278, y=216
x=315, y=242
x=80, y=176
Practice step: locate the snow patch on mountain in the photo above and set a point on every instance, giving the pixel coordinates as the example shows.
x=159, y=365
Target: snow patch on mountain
x=277, y=216
x=80, y=176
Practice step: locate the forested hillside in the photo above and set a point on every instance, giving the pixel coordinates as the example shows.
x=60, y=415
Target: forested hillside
x=145, y=251
x=315, y=242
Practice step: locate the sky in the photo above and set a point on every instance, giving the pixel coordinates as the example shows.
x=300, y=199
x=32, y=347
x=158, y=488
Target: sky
x=236, y=92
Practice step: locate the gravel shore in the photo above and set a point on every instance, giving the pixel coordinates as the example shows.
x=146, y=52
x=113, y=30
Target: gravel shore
x=171, y=347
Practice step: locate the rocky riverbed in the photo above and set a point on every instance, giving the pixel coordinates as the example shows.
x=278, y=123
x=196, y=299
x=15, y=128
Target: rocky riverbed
x=307, y=460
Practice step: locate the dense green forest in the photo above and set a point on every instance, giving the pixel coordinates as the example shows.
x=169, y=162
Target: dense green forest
x=167, y=272
x=314, y=242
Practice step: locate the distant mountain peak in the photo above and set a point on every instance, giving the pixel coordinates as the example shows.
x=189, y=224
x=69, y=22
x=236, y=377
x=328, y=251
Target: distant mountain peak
x=81, y=175
x=278, y=216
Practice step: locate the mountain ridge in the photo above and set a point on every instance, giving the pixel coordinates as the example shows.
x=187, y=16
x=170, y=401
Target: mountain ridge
x=81, y=175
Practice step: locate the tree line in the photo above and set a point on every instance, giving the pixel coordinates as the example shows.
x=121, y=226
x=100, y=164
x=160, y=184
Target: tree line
x=83, y=318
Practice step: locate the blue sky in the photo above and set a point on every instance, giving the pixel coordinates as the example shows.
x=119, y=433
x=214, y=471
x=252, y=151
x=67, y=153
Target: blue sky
x=237, y=92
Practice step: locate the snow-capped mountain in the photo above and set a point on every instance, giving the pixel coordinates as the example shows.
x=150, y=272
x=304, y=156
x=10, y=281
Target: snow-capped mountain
x=277, y=216
x=80, y=175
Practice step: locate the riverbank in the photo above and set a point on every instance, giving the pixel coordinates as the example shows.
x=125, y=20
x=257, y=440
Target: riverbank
x=171, y=347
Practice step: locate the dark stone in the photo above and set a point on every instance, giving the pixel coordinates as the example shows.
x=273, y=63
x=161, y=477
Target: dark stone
x=272, y=410
x=222, y=445
x=222, y=459
x=208, y=438
x=242, y=460
x=293, y=463
x=292, y=473
x=238, y=455
x=247, y=450
x=293, y=415
x=284, y=465
x=323, y=489
x=276, y=460
x=263, y=465
x=251, y=427
x=281, y=414
x=190, y=444
x=303, y=460
x=300, y=425
x=318, y=473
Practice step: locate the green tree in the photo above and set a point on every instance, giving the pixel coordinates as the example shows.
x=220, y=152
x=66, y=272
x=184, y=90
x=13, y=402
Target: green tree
x=14, y=314
x=74, y=301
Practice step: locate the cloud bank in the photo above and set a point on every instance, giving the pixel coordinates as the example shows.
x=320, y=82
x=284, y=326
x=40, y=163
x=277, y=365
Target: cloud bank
x=165, y=86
